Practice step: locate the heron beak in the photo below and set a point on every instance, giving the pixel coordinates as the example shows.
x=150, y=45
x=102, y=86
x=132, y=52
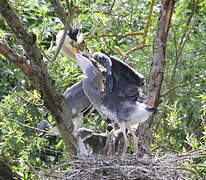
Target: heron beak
x=74, y=48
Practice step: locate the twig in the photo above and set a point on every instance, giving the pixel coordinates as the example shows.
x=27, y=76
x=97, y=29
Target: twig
x=113, y=3
x=66, y=20
x=81, y=10
x=149, y=17
x=184, y=38
x=136, y=48
x=171, y=89
x=66, y=27
x=28, y=101
x=143, y=44
x=37, y=129
x=120, y=51
x=194, y=5
x=114, y=35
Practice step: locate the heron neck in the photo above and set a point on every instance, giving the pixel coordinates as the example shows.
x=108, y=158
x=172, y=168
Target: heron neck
x=85, y=64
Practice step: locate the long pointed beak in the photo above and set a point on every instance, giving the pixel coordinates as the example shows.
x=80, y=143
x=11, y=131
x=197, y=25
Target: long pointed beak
x=74, y=48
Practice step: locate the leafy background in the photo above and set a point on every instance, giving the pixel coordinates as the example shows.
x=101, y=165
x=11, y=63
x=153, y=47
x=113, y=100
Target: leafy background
x=180, y=123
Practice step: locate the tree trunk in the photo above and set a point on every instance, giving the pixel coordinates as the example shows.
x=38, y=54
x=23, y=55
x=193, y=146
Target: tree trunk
x=156, y=73
x=37, y=72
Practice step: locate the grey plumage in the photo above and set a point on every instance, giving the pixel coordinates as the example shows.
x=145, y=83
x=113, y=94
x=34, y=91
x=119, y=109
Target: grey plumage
x=121, y=105
x=118, y=98
x=79, y=103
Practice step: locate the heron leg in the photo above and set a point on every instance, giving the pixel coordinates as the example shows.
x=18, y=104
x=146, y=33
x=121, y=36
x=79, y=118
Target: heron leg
x=81, y=148
x=122, y=126
x=109, y=147
x=134, y=137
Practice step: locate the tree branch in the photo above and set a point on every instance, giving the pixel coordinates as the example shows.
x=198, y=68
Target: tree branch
x=66, y=27
x=156, y=72
x=184, y=38
x=66, y=20
x=149, y=17
x=159, y=49
x=11, y=54
x=36, y=71
x=136, y=48
x=81, y=10
x=114, y=35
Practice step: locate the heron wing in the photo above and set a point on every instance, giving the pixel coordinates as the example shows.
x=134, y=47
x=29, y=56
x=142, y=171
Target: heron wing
x=127, y=80
x=76, y=99
x=125, y=73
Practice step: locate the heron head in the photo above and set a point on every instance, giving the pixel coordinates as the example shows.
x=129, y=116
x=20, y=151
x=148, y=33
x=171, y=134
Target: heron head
x=72, y=39
x=75, y=34
x=106, y=62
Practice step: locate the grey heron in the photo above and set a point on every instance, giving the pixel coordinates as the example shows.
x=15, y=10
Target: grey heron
x=117, y=99
x=75, y=97
x=121, y=105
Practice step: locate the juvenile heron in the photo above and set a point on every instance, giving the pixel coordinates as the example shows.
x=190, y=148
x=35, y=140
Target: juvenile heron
x=121, y=104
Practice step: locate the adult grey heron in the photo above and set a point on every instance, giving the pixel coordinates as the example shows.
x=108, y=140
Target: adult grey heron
x=117, y=99
x=75, y=97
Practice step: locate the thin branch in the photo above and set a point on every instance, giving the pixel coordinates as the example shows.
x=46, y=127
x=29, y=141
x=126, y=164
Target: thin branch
x=183, y=43
x=120, y=51
x=178, y=54
x=136, y=48
x=184, y=38
x=170, y=90
x=114, y=35
x=59, y=9
x=35, y=104
x=10, y=53
x=186, y=30
x=81, y=10
x=149, y=17
x=20, y=61
x=66, y=27
x=37, y=72
x=34, y=128
x=66, y=20
x=113, y=3
x=143, y=44
x=194, y=5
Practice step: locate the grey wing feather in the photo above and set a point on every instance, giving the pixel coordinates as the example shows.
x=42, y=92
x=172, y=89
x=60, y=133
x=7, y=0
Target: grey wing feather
x=127, y=80
x=125, y=73
x=76, y=98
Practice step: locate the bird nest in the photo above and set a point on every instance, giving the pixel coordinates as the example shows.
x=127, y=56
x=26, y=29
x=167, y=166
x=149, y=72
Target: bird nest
x=167, y=167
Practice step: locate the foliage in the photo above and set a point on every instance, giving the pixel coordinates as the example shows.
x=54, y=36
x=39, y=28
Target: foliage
x=180, y=122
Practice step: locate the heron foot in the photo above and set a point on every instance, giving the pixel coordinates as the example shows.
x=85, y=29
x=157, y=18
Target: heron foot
x=82, y=155
x=126, y=144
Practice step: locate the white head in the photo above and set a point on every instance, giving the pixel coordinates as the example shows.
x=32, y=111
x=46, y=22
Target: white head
x=73, y=35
